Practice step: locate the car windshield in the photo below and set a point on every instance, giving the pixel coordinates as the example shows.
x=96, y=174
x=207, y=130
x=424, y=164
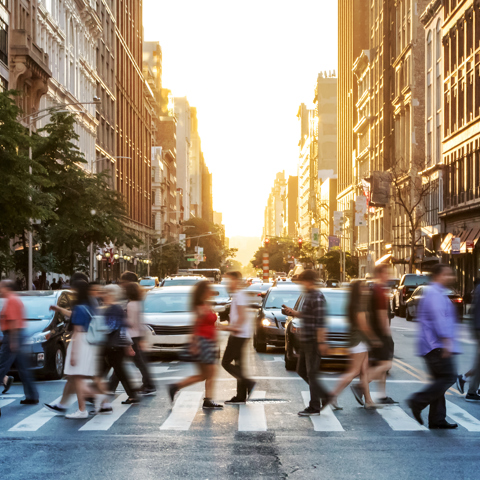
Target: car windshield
x=167, y=303
x=147, y=282
x=337, y=304
x=259, y=287
x=37, y=308
x=220, y=291
x=412, y=280
x=277, y=298
x=392, y=283
x=176, y=282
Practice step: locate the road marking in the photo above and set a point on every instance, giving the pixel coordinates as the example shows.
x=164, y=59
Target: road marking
x=33, y=422
x=251, y=417
x=462, y=417
x=327, y=421
x=104, y=422
x=160, y=370
x=183, y=412
x=324, y=379
x=5, y=402
x=9, y=395
x=399, y=420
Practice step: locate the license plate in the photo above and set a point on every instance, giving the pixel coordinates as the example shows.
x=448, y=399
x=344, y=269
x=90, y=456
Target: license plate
x=337, y=352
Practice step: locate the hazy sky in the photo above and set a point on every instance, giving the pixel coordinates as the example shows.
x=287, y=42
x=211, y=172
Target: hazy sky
x=246, y=65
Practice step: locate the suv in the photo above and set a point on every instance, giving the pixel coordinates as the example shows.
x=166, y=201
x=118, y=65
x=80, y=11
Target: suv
x=403, y=292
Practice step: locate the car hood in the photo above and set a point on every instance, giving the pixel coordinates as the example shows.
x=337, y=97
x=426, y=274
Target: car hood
x=32, y=327
x=334, y=323
x=275, y=315
x=169, y=319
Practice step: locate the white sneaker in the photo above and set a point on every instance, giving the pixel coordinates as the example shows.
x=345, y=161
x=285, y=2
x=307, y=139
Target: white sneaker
x=78, y=414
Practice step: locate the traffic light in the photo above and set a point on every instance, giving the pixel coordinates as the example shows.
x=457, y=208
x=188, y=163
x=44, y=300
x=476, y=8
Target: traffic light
x=300, y=243
x=267, y=242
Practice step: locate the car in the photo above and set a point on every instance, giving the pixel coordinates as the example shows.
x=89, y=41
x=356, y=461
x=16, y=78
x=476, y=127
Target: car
x=338, y=329
x=408, y=283
x=411, y=305
x=222, y=301
x=178, y=280
x=256, y=292
x=270, y=321
x=255, y=281
x=168, y=317
x=147, y=283
x=332, y=284
x=392, y=284
x=47, y=332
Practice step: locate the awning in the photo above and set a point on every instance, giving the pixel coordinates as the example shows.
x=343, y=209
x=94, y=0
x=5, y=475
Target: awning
x=470, y=237
x=384, y=259
x=446, y=246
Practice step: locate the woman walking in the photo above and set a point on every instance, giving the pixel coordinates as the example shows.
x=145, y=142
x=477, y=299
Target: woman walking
x=204, y=345
x=360, y=337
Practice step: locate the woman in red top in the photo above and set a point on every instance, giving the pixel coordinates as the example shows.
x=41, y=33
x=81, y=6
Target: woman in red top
x=204, y=345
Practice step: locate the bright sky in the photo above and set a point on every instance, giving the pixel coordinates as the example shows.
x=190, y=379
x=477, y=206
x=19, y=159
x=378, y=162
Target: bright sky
x=246, y=66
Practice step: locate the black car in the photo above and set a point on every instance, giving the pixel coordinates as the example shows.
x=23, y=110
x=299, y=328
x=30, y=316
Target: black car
x=408, y=283
x=270, y=321
x=47, y=333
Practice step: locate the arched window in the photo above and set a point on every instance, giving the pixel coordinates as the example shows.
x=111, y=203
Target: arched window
x=429, y=50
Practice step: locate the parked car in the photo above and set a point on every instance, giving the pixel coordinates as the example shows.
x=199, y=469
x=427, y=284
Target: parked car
x=180, y=280
x=338, y=331
x=222, y=301
x=257, y=292
x=47, y=333
x=411, y=305
x=392, y=285
x=270, y=321
x=408, y=283
x=332, y=284
x=147, y=283
x=168, y=317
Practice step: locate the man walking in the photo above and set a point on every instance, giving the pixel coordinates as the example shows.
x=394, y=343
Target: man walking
x=12, y=324
x=241, y=328
x=313, y=341
x=437, y=344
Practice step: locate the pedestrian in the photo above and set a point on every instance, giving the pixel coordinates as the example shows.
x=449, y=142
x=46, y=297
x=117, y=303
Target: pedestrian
x=81, y=362
x=382, y=354
x=12, y=322
x=203, y=346
x=473, y=375
x=241, y=330
x=312, y=342
x=437, y=344
x=54, y=285
x=361, y=336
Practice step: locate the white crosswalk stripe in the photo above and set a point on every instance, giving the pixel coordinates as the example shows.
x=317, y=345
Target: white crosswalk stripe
x=327, y=421
x=251, y=417
x=462, y=417
x=104, y=422
x=5, y=402
x=399, y=420
x=183, y=412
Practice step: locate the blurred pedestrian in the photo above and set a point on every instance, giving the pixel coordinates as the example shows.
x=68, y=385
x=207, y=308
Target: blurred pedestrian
x=437, y=344
x=54, y=285
x=12, y=322
x=361, y=336
x=204, y=346
x=81, y=361
x=473, y=375
x=312, y=342
x=241, y=330
x=382, y=354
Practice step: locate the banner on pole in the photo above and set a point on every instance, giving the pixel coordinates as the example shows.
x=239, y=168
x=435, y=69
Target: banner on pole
x=315, y=237
x=338, y=223
x=333, y=242
x=361, y=216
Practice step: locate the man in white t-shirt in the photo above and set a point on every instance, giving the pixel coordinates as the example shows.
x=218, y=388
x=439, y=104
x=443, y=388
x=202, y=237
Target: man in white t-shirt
x=241, y=328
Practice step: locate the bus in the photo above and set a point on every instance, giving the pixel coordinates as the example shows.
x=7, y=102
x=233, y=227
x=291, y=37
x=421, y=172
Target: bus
x=214, y=275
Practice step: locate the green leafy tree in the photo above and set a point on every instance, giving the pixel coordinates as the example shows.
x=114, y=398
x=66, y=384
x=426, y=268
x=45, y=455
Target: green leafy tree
x=331, y=264
x=280, y=251
x=166, y=260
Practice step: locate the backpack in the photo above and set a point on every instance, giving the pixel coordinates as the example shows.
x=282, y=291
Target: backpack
x=97, y=331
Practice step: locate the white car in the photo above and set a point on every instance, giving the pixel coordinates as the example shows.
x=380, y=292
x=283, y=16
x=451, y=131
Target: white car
x=168, y=316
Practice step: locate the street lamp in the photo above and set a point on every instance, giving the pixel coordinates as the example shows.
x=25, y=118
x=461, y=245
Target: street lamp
x=99, y=257
x=107, y=254
x=116, y=256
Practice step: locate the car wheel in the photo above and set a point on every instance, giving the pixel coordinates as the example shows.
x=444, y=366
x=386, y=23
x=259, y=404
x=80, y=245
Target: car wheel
x=260, y=347
x=58, y=363
x=402, y=311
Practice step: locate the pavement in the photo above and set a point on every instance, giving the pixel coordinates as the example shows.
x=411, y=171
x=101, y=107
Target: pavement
x=263, y=439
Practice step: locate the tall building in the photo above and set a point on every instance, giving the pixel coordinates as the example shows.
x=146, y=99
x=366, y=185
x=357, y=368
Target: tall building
x=197, y=164
x=134, y=123
x=327, y=205
x=275, y=209
x=68, y=32
x=4, y=32
x=291, y=207
x=207, y=193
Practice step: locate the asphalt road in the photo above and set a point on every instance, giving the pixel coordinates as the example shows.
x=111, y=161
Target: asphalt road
x=265, y=439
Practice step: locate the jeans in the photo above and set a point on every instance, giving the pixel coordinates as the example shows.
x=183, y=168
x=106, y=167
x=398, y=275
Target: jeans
x=474, y=382
x=7, y=357
x=444, y=376
x=140, y=363
x=307, y=368
x=234, y=352
x=114, y=358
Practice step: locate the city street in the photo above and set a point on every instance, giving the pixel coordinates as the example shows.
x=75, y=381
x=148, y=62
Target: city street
x=264, y=439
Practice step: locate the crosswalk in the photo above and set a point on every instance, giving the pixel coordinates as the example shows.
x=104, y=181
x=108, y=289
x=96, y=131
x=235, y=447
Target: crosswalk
x=258, y=415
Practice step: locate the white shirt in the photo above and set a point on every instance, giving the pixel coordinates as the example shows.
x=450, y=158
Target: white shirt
x=246, y=329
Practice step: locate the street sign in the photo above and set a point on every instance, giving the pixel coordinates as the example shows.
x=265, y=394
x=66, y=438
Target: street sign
x=456, y=245
x=193, y=259
x=469, y=245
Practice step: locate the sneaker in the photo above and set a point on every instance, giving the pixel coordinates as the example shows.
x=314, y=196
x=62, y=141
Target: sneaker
x=309, y=412
x=29, y=401
x=7, y=384
x=472, y=397
x=172, y=391
x=56, y=407
x=387, y=401
x=461, y=384
x=77, y=415
x=208, y=404
x=131, y=401
x=358, y=394
x=147, y=391
x=105, y=410
x=235, y=401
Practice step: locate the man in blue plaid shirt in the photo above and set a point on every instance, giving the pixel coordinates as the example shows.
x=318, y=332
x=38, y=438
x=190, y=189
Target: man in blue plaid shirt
x=313, y=341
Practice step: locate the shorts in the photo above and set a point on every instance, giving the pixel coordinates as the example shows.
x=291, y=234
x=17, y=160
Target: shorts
x=208, y=351
x=385, y=352
x=360, y=348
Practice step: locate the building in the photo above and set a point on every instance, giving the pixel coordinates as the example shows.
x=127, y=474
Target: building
x=327, y=205
x=460, y=215
x=207, y=193
x=4, y=32
x=291, y=207
x=69, y=33
x=275, y=209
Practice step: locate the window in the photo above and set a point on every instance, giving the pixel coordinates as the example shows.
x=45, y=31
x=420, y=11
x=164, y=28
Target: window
x=3, y=41
x=429, y=50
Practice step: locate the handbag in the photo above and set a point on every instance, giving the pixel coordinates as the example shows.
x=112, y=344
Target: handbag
x=97, y=331
x=119, y=338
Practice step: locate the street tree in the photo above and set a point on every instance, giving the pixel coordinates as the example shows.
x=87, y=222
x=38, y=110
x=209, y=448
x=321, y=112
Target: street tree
x=331, y=264
x=166, y=260
x=281, y=251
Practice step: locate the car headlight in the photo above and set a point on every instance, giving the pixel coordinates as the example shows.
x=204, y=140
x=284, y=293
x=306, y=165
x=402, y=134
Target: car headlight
x=266, y=322
x=39, y=337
